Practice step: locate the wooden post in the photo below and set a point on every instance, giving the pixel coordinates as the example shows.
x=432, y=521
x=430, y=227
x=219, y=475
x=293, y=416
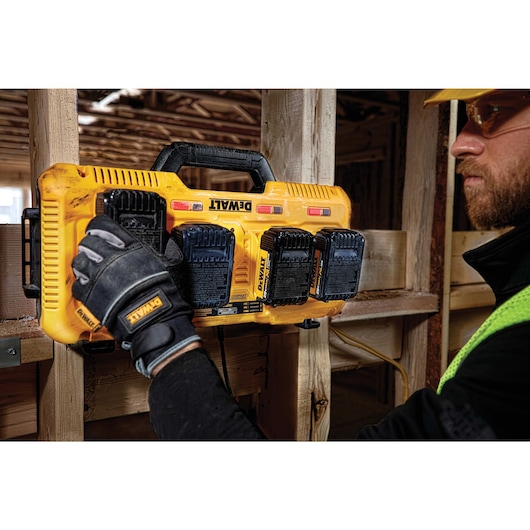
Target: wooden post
x=451, y=115
x=424, y=220
x=54, y=137
x=298, y=138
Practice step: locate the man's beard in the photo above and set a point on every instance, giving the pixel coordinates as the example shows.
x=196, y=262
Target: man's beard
x=501, y=201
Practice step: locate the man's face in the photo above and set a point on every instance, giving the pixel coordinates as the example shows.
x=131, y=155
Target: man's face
x=493, y=156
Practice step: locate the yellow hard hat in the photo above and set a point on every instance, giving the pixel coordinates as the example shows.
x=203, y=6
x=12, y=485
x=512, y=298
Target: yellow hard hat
x=463, y=94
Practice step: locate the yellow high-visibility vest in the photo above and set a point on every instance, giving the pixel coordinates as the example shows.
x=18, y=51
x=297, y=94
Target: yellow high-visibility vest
x=514, y=311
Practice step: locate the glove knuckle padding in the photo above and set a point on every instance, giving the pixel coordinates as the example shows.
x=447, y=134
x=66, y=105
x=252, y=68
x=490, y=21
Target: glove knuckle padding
x=105, y=228
x=83, y=265
x=121, y=277
x=94, y=246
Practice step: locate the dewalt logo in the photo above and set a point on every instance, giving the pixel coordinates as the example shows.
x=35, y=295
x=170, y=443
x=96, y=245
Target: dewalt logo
x=87, y=319
x=144, y=310
x=227, y=205
x=261, y=275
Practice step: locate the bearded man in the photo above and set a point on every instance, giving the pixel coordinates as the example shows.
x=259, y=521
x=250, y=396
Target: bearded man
x=484, y=392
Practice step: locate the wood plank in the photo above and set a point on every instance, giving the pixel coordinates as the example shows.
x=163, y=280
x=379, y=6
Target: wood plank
x=246, y=359
x=384, y=260
x=23, y=328
x=471, y=296
x=382, y=304
x=54, y=137
x=36, y=349
x=18, y=401
x=113, y=387
x=13, y=303
x=34, y=344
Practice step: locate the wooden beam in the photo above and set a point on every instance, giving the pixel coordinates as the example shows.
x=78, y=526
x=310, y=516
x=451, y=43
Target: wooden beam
x=298, y=138
x=417, y=220
x=298, y=134
x=441, y=243
x=389, y=303
x=54, y=138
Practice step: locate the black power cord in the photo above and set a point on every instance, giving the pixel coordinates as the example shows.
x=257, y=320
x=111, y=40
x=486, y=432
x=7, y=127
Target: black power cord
x=221, y=339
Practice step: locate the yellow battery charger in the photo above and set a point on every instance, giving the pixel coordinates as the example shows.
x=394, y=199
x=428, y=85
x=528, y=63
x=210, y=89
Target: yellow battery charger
x=281, y=253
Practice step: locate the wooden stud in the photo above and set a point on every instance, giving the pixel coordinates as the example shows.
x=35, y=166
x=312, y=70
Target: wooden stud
x=417, y=220
x=54, y=137
x=298, y=139
x=440, y=249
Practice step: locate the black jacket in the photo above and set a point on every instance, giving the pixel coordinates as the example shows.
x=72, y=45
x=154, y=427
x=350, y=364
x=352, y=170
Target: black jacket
x=488, y=398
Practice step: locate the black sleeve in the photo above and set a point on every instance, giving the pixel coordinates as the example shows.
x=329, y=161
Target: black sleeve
x=188, y=401
x=488, y=398
x=427, y=416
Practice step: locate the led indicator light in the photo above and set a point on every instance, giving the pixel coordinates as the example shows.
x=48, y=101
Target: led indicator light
x=186, y=206
x=319, y=212
x=269, y=209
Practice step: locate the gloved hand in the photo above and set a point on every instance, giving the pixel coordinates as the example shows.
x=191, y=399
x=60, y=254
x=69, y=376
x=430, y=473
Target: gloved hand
x=132, y=290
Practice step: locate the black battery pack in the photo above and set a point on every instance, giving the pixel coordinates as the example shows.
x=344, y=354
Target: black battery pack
x=142, y=213
x=286, y=265
x=208, y=262
x=338, y=259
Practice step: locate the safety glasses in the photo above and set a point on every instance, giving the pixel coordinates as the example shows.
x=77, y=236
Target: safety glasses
x=499, y=113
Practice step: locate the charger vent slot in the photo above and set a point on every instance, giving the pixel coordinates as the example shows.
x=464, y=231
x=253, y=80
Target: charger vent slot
x=310, y=191
x=125, y=177
x=50, y=254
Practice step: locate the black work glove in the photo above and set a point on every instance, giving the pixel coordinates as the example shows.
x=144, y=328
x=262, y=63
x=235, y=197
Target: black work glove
x=132, y=290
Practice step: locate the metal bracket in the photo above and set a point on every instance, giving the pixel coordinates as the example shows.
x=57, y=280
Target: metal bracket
x=9, y=352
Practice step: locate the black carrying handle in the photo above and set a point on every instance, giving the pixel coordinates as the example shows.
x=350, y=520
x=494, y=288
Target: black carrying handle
x=179, y=154
x=31, y=252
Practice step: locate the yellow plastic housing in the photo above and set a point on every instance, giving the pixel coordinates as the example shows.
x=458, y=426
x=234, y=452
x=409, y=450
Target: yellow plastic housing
x=68, y=197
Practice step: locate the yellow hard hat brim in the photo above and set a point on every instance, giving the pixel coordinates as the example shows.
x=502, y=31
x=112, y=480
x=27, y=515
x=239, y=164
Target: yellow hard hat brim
x=463, y=94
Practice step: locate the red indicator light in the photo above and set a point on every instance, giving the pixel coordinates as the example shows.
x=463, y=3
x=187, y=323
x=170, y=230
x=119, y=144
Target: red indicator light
x=268, y=208
x=319, y=212
x=186, y=206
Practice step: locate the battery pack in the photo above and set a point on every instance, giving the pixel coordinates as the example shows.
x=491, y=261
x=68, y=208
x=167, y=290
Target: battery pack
x=142, y=213
x=285, y=266
x=338, y=259
x=208, y=262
